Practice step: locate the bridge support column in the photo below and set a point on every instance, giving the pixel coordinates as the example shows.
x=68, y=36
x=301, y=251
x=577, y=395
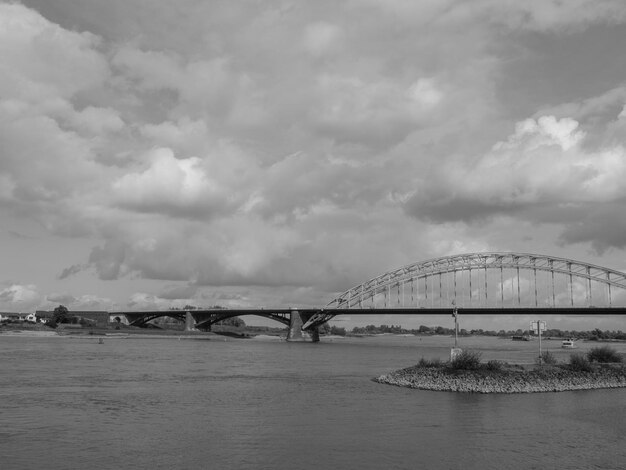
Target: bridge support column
x=190, y=322
x=295, y=329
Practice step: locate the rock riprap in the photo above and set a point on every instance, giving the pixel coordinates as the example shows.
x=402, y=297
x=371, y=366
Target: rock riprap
x=540, y=379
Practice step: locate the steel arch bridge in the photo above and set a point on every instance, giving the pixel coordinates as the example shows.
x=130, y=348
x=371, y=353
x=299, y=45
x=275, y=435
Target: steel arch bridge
x=485, y=281
x=477, y=283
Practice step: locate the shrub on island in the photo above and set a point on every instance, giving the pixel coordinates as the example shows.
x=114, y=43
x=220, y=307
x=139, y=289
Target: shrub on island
x=547, y=358
x=603, y=354
x=426, y=363
x=579, y=362
x=466, y=360
x=495, y=365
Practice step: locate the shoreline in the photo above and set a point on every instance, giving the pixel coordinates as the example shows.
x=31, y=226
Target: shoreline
x=245, y=334
x=140, y=334
x=515, y=379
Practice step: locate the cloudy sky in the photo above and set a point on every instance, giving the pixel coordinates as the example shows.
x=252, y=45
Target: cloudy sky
x=157, y=153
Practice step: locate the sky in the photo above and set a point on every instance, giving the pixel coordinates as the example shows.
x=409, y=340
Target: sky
x=155, y=154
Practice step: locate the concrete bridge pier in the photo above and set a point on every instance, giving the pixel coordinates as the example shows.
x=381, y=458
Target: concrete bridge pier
x=295, y=329
x=190, y=322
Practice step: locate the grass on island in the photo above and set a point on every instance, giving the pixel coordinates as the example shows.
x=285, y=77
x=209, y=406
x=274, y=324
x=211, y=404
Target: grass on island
x=601, y=367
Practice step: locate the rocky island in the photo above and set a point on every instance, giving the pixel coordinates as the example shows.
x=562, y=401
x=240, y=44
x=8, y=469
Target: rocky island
x=467, y=374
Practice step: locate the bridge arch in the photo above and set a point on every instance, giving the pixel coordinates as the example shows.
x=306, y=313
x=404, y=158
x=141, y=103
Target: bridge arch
x=203, y=319
x=392, y=285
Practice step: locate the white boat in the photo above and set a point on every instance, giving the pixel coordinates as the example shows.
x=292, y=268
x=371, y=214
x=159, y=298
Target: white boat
x=568, y=344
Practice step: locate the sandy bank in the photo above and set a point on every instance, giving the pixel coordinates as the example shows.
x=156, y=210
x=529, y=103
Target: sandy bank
x=267, y=338
x=28, y=333
x=545, y=379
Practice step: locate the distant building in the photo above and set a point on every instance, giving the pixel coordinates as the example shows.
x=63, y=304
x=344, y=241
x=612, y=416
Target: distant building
x=43, y=316
x=16, y=317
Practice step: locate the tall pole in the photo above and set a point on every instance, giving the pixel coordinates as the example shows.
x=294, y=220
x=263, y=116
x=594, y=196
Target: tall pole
x=455, y=351
x=456, y=324
x=537, y=325
x=539, y=328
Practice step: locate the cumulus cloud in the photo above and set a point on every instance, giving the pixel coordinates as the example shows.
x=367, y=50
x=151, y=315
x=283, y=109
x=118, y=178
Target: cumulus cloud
x=425, y=93
x=374, y=112
x=208, y=87
x=35, y=168
x=98, y=121
x=63, y=299
x=93, y=302
x=82, y=302
x=145, y=301
x=542, y=162
x=228, y=251
x=152, y=69
x=22, y=297
x=190, y=137
x=109, y=260
x=544, y=172
x=42, y=60
x=170, y=185
x=176, y=292
x=51, y=135
x=321, y=38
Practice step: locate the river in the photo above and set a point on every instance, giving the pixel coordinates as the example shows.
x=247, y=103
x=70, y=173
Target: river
x=164, y=403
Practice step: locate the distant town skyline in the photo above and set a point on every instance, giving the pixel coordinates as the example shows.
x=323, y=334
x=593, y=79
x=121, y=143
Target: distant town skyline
x=158, y=154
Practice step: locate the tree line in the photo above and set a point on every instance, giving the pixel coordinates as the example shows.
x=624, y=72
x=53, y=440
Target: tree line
x=595, y=334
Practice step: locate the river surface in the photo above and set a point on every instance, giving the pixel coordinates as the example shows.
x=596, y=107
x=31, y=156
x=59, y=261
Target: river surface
x=164, y=403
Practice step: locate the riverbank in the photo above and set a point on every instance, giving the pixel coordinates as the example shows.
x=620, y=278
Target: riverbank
x=115, y=330
x=511, y=379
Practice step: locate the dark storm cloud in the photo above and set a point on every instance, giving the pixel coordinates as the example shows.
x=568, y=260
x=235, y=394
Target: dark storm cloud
x=604, y=226
x=71, y=270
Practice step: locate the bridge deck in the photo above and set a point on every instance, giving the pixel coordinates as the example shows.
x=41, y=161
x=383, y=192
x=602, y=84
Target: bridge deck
x=400, y=311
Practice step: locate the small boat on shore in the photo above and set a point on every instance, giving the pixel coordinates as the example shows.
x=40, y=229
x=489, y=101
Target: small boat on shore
x=568, y=343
